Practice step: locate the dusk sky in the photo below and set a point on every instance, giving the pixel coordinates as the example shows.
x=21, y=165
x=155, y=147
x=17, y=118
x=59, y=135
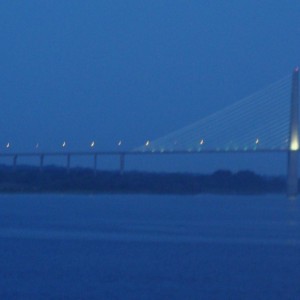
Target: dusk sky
x=133, y=70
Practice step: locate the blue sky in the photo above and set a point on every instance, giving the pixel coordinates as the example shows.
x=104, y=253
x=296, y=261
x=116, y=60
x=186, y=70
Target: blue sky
x=133, y=70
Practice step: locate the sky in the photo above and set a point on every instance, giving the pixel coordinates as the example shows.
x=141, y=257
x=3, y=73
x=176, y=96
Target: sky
x=78, y=71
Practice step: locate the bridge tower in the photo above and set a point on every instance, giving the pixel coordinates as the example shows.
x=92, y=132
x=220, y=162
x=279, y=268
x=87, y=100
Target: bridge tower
x=292, y=172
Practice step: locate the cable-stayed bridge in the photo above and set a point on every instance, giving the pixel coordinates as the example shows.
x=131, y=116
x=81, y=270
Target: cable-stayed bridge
x=258, y=122
x=266, y=121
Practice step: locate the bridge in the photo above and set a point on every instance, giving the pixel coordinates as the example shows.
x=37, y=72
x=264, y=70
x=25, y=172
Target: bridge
x=266, y=121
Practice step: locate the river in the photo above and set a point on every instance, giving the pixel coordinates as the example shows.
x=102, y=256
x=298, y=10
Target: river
x=149, y=247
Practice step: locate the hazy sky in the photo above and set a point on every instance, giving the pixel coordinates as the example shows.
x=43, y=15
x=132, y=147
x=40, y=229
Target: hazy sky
x=133, y=70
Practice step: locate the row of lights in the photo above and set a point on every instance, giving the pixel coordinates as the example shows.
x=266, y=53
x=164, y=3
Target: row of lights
x=119, y=143
x=64, y=144
x=92, y=144
x=201, y=142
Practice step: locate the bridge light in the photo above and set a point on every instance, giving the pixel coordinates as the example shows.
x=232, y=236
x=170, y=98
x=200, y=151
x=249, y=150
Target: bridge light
x=64, y=144
x=147, y=143
x=8, y=145
x=257, y=141
x=92, y=145
x=294, y=145
x=201, y=142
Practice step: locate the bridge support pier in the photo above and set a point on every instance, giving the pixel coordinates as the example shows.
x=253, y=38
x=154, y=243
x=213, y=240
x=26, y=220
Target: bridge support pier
x=122, y=163
x=292, y=172
x=95, y=164
x=15, y=161
x=41, y=162
x=68, y=162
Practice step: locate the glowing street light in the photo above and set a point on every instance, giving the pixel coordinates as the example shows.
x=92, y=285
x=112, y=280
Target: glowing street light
x=92, y=145
x=7, y=145
x=119, y=143
x=147, y=143
x=201, y=142
x=257, y=141
x=64, y=144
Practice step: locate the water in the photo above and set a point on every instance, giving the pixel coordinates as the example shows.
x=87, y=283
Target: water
x=149, y=247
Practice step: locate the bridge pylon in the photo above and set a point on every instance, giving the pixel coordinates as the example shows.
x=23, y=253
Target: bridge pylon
x=292, y=171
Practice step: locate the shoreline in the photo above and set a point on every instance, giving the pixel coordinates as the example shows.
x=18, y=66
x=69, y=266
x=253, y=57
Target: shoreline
x=56, y=180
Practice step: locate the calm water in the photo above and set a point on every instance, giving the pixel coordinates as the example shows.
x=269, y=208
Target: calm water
x=149, y=247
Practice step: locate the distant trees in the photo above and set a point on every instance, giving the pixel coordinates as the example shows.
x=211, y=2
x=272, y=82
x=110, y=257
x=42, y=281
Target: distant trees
x=83, y=180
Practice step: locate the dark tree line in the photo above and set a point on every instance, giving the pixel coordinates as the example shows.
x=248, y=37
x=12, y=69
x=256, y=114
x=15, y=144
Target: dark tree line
x=26, y=179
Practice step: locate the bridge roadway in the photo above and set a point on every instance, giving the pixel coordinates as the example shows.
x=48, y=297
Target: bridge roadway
x=122, y=154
